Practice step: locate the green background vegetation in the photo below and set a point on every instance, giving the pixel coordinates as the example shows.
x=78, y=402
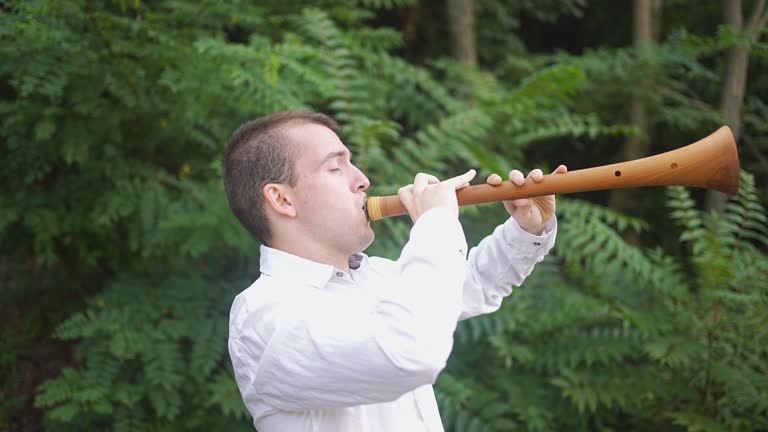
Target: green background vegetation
x=119, y=257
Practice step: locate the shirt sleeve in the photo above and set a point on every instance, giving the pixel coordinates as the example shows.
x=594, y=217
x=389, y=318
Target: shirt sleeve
x=334, y=351
x=502, y=260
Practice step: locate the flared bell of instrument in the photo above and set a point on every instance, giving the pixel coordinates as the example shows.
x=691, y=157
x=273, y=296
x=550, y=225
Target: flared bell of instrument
x=711, y=163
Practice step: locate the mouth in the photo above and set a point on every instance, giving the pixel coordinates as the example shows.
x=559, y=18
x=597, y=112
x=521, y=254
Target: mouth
x=365, y=207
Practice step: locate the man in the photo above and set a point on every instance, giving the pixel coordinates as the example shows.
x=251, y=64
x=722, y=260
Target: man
x=329, y=339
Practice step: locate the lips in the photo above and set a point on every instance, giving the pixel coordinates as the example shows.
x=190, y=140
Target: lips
x=365, y=212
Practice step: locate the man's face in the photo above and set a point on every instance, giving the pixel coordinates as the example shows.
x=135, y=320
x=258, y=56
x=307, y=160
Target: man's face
x=330, y=190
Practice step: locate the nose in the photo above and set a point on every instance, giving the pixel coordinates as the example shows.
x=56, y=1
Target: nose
x=361, y=181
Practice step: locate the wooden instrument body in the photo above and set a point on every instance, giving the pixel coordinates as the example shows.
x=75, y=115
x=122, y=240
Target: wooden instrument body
x=711, y=163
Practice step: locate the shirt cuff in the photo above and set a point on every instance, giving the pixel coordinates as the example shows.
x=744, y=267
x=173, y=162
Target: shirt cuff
x=529, y=244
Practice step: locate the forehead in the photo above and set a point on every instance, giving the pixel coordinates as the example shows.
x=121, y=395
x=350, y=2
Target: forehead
x=312, y=143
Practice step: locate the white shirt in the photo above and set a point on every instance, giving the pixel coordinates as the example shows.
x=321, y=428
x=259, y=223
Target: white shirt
x=315, y=348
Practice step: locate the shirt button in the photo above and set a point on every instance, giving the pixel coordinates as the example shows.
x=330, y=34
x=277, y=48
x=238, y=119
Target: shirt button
x=339, y=274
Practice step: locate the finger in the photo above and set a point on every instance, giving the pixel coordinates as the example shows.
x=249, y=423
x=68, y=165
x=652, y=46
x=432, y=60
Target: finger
x=405, y=194
x=516, y=177
x=420, y=182
x=461, y=180
x=536, y=175
x=520, y=203
x=462, y=186
x=560, y=169
x=494, y=180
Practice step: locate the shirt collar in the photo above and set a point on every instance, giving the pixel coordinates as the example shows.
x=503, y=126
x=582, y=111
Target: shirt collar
x=274, y=262
x=355, y=260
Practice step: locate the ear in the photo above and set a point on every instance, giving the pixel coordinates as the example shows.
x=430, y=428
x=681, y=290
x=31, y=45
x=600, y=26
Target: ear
x=279, y=198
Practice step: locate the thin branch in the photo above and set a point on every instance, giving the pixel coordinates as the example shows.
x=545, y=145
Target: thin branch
x=759, y=28
x=694, y=102
x=756, y=16
x=757, y=20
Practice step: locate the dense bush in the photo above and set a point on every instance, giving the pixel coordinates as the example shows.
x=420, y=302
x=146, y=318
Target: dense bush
x=114, y=116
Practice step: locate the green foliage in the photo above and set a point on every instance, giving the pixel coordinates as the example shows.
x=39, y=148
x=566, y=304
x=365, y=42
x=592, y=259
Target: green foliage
x=500, y=21
x=670, y=78
x=754, y=137
x=606, y=331
x=114, y=115
x=149, y=356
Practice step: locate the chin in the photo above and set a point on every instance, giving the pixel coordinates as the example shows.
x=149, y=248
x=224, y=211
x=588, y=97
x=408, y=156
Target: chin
x=367, y=241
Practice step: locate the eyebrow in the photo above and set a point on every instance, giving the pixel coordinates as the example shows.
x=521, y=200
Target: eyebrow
x=333, y=155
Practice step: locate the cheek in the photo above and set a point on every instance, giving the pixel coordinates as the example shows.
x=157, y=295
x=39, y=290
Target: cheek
x=309, y=199
x=317, y=194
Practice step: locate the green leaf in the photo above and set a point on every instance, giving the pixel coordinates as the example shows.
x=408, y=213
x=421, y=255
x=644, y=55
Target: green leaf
x=44, y=129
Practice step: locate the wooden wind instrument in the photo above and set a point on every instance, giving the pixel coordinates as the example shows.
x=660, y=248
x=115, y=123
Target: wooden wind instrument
x=711, y=163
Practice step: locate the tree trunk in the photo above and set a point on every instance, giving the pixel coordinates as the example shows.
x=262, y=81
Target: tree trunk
x=461, y=19
x=735, y=79
x=646, y=32
x=732, y=92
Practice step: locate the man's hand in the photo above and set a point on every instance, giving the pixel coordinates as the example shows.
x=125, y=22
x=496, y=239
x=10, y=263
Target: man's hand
x=531, y=213
x=428, y=192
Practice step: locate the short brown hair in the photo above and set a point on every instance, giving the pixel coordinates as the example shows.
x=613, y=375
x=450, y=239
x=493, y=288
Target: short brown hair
x=258, y=153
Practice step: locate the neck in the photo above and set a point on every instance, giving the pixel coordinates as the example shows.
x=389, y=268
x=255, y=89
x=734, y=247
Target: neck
x=303, y=246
